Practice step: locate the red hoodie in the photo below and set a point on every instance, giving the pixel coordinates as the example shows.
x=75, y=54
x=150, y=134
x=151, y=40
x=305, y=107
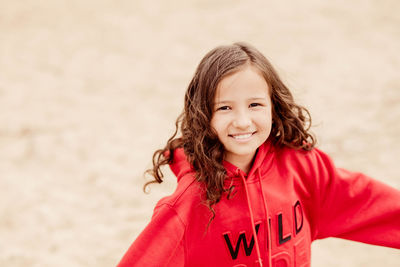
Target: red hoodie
x=300, y=194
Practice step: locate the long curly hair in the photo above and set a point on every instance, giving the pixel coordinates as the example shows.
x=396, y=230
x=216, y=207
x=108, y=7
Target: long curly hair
x=290, y=122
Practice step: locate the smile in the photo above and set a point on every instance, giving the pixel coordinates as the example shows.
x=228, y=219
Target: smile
x=241, y=137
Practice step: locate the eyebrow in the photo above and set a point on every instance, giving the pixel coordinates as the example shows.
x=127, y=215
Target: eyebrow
x=257, y=98
x=249, y=99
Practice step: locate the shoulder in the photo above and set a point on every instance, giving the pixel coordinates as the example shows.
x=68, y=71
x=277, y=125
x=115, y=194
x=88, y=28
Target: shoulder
x=186, y=198
x=310, y=163
x=300, y=155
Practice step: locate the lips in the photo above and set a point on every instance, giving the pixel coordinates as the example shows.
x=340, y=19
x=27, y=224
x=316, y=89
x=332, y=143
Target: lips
x=241, y=136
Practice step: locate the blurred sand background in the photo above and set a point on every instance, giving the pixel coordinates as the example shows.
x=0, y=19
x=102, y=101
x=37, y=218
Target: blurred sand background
x=89, y=89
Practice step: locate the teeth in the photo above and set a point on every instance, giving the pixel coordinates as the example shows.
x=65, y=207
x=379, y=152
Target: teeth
x=242, y=136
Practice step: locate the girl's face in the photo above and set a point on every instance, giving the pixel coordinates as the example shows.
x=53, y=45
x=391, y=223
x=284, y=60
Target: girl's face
x=242, y=115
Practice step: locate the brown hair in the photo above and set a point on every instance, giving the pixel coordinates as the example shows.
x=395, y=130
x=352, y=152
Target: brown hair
x=290, y=122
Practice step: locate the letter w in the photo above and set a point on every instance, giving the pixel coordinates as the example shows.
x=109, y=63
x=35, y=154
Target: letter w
x=248, y=248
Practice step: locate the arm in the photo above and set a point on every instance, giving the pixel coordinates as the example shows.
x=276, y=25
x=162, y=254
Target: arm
x=354, y=206
x=160, y=243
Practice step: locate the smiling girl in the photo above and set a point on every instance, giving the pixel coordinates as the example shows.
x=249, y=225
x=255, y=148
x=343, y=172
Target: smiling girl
x=252, y=188
x=242, y=115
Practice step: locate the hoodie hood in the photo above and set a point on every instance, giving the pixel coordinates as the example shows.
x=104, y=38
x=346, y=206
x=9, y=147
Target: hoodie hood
x=180, y=165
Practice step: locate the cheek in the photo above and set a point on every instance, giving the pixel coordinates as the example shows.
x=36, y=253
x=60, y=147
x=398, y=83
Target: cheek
x=215, y=124
x=264, y=119
x=216, y=121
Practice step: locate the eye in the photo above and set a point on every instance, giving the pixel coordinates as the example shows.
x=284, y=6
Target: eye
x=224, y=108
x=252, y=105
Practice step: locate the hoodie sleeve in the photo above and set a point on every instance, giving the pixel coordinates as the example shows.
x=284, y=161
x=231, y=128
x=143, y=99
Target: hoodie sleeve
x=354, y=206
x=160, y=243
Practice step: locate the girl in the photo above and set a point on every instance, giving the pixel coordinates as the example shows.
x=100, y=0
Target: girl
x=252, y=188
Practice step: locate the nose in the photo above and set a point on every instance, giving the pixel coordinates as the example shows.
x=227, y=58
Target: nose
x=242, y=120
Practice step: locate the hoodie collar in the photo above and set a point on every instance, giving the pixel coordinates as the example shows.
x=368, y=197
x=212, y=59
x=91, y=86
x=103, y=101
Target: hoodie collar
x=263, y=160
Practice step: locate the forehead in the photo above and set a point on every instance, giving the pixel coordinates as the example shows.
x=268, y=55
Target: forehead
x=247, y=82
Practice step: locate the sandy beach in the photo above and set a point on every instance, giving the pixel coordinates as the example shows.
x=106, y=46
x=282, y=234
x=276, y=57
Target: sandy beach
x=90, y=89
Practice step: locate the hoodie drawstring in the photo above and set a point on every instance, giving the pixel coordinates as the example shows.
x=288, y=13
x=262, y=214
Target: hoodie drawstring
x=252, y=219
x=268, y=225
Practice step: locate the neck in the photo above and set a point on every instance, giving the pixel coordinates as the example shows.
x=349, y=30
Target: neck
x=242, y=163
x=246, y=168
